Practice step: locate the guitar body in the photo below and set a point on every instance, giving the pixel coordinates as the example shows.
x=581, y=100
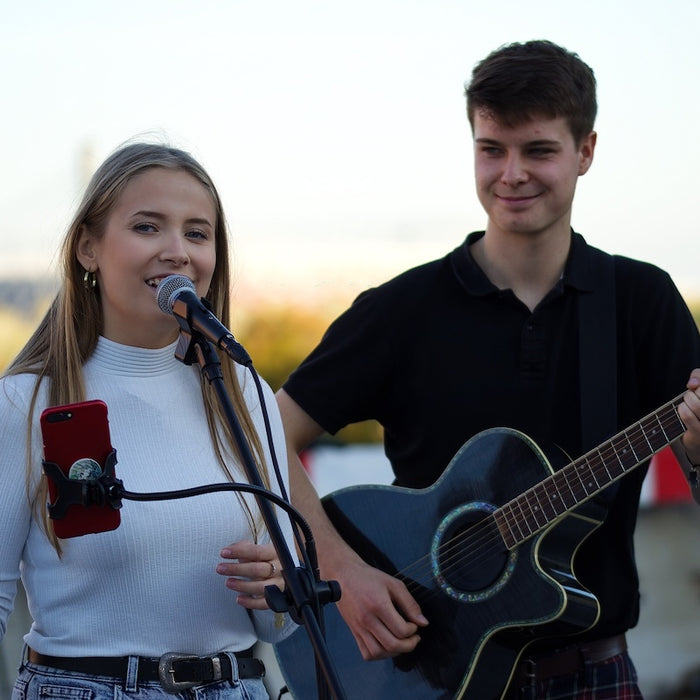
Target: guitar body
x=485, y=604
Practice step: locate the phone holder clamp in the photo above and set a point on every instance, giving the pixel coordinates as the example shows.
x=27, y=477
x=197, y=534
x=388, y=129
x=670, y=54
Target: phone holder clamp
x=98, y=491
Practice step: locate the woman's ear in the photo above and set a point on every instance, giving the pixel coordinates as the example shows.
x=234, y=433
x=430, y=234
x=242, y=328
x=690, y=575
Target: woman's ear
x=85, y=250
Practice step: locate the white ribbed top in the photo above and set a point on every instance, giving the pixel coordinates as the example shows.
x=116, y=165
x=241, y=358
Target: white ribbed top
x=150, y=586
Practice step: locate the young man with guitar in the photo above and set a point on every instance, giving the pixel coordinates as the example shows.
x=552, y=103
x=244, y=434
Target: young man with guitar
x=527, y=580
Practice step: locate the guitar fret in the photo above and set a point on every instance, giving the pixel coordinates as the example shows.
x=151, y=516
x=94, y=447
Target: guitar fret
x=659, y=436
x=623, y=451
x=546, y=507
x=513, y=517
x=568, y=497
x=526, y=523
x=521, y=521
x=517, y=533
x=503, y=524
x=612, y=464
x=556, y=500
x=677, y=424
x=635, y=457
x=646, y=439
x=590, y=485
x=606, y=473
x=512, y=522
x=596, y=459
x=537, y=517
x=580, y=487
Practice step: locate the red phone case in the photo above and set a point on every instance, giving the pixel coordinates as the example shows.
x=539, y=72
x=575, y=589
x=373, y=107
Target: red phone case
x=72, y=433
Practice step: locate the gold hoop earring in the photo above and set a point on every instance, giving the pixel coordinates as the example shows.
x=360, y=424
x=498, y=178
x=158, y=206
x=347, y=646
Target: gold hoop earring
x=89, y=280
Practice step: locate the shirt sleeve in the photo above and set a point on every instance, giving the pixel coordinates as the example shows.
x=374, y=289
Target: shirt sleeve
x=360, y=342
x=14, y=494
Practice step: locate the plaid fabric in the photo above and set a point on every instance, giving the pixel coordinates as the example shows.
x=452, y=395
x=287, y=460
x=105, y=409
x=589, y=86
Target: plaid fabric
x=612, y=679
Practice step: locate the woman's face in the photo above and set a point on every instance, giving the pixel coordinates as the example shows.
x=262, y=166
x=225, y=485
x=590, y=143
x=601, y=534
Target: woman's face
x=164, y=223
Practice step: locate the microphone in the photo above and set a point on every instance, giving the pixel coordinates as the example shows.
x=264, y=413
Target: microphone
x=177, y=296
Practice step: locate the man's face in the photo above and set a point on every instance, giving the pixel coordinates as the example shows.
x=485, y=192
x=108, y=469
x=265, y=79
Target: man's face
x=526, y=175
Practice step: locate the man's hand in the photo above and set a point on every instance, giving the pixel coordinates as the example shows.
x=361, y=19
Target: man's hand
x=689, y=411
x=382, y=615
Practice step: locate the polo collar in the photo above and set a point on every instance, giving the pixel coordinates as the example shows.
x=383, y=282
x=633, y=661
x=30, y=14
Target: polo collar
x=578, y=271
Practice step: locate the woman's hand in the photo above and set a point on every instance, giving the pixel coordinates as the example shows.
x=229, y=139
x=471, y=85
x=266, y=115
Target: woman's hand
x=248, y=569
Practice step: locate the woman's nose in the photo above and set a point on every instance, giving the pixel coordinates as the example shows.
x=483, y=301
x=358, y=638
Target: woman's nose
x=175, y=251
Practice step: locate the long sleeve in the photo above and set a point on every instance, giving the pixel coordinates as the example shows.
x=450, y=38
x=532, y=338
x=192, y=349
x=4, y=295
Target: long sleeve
x=15, y=508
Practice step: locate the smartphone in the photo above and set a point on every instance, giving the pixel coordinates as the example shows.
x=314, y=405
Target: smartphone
x=76, y=438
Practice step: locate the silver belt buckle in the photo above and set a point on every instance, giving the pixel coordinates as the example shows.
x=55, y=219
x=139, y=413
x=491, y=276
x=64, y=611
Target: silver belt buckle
x=166, y=672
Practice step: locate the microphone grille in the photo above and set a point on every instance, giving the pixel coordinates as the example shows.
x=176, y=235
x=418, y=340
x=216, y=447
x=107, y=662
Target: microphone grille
x=167, y=290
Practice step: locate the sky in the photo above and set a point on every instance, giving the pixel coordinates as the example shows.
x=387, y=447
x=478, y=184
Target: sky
x=336, y=132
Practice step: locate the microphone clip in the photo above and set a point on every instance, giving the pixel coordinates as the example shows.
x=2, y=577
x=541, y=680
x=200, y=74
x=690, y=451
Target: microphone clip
x=106, y=489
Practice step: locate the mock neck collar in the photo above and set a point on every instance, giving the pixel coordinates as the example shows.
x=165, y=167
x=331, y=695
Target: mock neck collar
x=115, y=358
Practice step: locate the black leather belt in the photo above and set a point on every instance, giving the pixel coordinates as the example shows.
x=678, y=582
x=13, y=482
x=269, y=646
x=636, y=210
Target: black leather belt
x=175, y=672
x=572, y=659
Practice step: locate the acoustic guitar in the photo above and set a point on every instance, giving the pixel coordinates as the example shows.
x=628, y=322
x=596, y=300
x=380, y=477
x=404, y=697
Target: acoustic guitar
x=487, y=551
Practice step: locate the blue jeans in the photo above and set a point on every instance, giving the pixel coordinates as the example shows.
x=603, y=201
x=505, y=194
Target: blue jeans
x=42, y=683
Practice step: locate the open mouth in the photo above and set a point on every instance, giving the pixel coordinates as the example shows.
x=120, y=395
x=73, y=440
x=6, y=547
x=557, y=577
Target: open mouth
x=153, y=282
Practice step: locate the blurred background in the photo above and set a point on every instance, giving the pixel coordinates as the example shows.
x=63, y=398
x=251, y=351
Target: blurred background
x=336, y=133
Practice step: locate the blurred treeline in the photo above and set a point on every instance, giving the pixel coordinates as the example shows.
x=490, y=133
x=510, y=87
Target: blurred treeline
x=277, y=337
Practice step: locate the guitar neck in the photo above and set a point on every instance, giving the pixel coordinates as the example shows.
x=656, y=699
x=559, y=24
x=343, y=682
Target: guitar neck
x=558, y=494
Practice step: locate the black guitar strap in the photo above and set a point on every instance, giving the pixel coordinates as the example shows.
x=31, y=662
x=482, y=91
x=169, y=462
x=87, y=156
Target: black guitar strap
x=598, y=358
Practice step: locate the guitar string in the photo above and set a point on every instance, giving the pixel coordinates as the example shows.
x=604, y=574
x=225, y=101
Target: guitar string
x=456, y=544
x=605, y=464
x=452, y=553
x=448, y=563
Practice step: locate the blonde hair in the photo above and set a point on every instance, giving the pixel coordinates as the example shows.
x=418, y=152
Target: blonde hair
x=67, y=335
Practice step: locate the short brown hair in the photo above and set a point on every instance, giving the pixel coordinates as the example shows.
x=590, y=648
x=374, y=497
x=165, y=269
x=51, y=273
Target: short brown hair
x=521, y=81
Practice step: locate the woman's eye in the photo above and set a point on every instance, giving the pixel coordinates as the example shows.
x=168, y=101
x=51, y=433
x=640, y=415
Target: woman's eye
x=197, y=234
x=145, y=228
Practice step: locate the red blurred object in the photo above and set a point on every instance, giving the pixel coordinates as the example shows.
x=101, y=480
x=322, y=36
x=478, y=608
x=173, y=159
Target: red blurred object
x=667, y=481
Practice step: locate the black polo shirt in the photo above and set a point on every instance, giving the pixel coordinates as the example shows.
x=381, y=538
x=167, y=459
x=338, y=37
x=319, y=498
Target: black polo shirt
x=439, y=354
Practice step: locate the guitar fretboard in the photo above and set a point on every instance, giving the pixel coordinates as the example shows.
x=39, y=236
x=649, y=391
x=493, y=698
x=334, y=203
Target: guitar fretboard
x=578, y=481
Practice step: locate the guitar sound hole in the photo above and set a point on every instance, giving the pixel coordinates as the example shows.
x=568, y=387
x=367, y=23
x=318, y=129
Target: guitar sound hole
x=470, y=560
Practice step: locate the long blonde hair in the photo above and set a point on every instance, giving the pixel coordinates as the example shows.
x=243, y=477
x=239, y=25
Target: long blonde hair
x=67, y=335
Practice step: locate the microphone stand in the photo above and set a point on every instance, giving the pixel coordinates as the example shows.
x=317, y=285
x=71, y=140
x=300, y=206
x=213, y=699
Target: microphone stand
x=303, y=589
